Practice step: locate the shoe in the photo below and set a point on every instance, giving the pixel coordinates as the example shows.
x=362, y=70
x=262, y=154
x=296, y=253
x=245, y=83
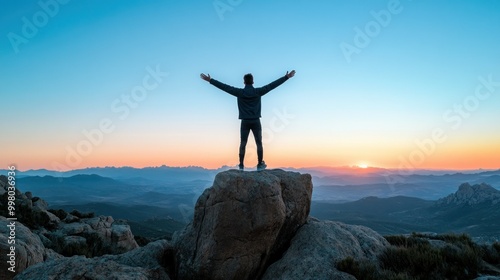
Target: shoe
x=241, y=167
x=261, y=166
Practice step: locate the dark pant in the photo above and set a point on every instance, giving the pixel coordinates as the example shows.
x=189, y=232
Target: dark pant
x=256, y=128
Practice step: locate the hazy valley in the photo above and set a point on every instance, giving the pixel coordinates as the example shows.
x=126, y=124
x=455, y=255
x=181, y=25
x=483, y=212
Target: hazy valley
x=159, y=201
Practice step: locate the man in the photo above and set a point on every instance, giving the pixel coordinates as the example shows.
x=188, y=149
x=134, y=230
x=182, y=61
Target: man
x=249, y=111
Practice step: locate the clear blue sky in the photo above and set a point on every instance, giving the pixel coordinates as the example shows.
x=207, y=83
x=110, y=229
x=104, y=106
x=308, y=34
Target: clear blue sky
x=369, y=109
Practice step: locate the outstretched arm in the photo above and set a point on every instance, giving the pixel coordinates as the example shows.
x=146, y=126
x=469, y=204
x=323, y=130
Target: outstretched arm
x=265, y=89
x=227, y=88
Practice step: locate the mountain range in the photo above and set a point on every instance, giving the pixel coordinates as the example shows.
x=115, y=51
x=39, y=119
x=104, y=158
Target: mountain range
x=472, y=209
x=387, y=202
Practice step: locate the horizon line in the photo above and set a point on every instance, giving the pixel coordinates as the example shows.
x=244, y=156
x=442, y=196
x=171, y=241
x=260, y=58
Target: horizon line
x=357, y=167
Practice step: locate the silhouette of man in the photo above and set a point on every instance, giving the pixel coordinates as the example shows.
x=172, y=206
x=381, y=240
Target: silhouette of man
x=249, y=106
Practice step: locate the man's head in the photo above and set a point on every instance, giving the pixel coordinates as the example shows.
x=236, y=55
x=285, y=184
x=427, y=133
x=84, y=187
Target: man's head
x=248, y=79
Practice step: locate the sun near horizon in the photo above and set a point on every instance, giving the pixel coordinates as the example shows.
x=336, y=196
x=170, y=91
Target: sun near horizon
x=359, y=168
x=105, y=84
x=363, y=165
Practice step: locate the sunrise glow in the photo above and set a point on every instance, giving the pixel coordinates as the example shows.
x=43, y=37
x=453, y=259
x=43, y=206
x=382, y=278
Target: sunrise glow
x=117, y=84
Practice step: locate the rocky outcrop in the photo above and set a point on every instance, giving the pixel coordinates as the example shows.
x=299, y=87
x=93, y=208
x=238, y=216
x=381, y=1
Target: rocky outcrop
x=31, y=211
x=66, y=233
x=90, y=237
x=242, y=223
x=29, y=250
x=3, y=184
x=142, y=263
x=319, y=245
x=472, y=195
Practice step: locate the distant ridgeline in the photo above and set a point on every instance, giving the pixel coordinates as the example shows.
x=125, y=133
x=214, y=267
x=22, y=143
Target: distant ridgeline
x=247, y=225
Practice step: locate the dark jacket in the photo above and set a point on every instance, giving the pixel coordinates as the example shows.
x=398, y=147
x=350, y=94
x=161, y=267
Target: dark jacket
x=249, y=97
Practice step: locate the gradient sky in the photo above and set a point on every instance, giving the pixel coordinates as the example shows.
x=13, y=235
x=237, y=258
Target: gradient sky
x=66, y=68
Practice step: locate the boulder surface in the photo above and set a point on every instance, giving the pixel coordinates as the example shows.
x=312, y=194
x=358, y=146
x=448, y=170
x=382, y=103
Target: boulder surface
x=242, y=223
x=319, y=245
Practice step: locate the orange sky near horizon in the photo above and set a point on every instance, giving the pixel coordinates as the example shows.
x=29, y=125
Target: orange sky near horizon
x=452, y=156
x=108, y=83
x=461, y=150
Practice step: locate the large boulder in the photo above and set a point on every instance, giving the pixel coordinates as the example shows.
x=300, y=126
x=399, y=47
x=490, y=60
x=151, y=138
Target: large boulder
x=30, y=211
x=319, y=245
x=148, y=262
x=115, y=233
x=242, y=223
x=90, y=237
x=29, y=250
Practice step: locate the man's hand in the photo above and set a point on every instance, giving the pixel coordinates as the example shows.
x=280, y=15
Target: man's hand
x=291, y=74
x=205, y=77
